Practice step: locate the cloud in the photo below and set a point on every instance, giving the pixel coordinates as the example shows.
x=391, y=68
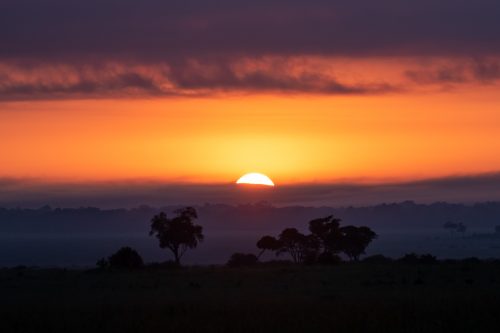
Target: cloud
x=461, y=71
x=458, y=189
x=443, y=75
x=29, y=81
x=117, y=48
x=486, y=71
x=21, y=81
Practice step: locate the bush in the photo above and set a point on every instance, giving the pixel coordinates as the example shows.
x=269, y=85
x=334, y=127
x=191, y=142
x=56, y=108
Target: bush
x=328, y=259
x=377, y=259
x=413, y=258
x=102, y=263
x=428, y=259
x=276, y=263
x=170, y=264
x=409, y=258
x=470, y=260
x=242, y=259
x=125, y=258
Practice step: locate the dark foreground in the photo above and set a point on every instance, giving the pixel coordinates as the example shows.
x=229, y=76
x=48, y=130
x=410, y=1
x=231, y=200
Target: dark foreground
x=445, y=297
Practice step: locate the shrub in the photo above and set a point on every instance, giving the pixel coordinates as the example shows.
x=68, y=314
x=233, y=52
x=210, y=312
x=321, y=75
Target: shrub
x=409, y=258
x=102, y=263
x=428, y=259
x=169, y=264
x=377, y=259
x=470, y=260
x=413, y=258
x=327, y=258
x=276, y=263
x=127, y=258
x=242, y=259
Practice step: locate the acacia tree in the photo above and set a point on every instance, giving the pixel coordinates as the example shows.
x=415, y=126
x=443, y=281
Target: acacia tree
x=355, y=240
x=179, y=233
x=323, y=244
x=300, y=247
x=290, y=239
x=455, y=227
x=451, y=226
x=327, y=230
x=268, y=243
x=461, y=228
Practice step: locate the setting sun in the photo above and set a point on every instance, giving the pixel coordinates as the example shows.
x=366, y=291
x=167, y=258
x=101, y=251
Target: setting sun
x=255, y=179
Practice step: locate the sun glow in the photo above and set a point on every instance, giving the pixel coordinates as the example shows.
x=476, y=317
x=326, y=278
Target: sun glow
x=256, y=179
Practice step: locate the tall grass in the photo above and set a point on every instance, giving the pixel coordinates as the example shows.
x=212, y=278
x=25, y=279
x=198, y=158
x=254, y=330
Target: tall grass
x=346, y=298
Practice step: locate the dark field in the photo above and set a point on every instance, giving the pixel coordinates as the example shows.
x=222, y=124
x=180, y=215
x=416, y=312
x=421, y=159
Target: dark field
x=392, y=297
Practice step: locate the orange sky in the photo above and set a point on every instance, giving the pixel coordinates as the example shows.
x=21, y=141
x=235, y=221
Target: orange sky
x=303, y=91
x=296, y=138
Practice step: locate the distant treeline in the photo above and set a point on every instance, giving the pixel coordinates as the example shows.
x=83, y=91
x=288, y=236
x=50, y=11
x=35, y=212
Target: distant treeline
x=129, y=258
x=260, y=216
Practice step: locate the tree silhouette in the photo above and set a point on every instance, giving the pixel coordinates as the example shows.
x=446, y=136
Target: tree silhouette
x=461, y=228
x=177, y=234
x=324, y=243
x=455, y=227
x=310, y=247
x=290, y=239
x=355, y=240
x=300, y=247
x=268, y=243
x=451, y=226
x=327, y=230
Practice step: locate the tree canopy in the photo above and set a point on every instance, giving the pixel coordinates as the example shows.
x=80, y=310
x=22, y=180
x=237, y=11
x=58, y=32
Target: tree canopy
x=355, y=240
x=326, y=240
x=268, y=243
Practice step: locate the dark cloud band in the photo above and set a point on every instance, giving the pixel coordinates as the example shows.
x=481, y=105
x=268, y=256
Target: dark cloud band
x=190, y=47
x=20, y=81
x=160, y=30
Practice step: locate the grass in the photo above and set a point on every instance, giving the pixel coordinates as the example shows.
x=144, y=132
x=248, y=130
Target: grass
x=445, y=297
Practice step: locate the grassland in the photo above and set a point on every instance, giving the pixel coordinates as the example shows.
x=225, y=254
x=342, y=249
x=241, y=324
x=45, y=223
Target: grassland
x=444, y=297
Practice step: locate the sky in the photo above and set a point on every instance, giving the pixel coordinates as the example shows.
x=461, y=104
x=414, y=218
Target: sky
x=196, y=93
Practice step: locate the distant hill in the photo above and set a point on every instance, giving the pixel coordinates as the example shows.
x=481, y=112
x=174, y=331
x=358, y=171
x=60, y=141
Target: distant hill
x=260, y=216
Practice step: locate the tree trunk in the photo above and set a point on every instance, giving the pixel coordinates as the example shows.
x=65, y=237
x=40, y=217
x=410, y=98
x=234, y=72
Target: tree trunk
x=177, y=257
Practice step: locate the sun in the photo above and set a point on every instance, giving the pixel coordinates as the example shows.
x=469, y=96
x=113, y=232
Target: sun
x=256, y=179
